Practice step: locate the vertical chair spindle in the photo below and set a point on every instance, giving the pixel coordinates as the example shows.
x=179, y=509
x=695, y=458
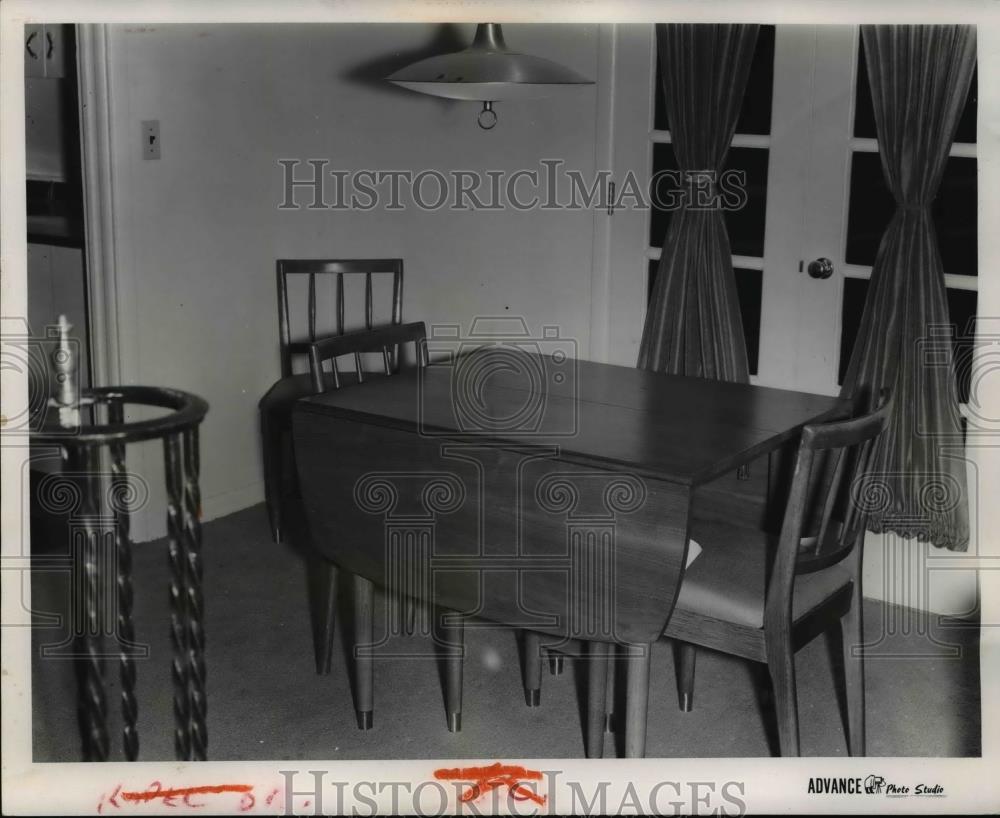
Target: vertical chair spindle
x=340, y=303
x=312, y=306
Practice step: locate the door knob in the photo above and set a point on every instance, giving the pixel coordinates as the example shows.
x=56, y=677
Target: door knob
x=820, y=268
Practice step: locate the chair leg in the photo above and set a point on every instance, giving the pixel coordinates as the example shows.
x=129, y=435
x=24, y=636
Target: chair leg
x=781, y=666
x=324, y=611
x=852, y=636
x=555, y=663
x=364, y=640
x=532, y=668
x=609, y=699
x=684, y=658
x=451, y=642
x=597, y=685
x=271, y=442
x=637, y=700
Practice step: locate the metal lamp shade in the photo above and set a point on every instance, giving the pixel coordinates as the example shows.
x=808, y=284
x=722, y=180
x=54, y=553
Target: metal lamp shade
x=487, y=71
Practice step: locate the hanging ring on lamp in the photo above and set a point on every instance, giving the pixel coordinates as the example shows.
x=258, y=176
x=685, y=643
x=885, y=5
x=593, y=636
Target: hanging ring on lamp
x=487, y=117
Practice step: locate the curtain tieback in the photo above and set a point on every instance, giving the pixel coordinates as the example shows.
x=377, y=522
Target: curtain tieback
x=702, y=176
x=702, y=187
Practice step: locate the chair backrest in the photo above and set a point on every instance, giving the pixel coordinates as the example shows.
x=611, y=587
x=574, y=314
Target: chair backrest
x=831, y=473
x=311, y=268
x=386, y=340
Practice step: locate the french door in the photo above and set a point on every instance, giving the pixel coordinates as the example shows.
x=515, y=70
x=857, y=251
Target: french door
x=806, y=143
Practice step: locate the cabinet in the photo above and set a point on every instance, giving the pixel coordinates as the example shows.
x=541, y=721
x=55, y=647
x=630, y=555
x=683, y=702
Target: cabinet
x=50, y=102
x=47, y=50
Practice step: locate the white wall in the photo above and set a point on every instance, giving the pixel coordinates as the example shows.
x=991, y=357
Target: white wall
x=199, y=230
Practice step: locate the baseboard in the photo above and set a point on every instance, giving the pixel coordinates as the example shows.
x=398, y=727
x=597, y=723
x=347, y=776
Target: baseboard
x=154, y=526
x=232, y=501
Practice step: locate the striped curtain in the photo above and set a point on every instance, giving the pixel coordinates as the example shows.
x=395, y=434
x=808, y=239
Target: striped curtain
x=693, y=324
x=919, y=79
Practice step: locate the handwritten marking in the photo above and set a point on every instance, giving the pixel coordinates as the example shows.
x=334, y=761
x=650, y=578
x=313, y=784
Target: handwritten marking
x=156, y=791
x=179, y=796
x=491, y=777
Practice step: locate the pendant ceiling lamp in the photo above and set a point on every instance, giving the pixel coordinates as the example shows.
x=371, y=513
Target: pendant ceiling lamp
x=487, y=71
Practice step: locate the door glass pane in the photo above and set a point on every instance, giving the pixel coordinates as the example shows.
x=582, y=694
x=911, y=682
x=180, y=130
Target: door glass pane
x=853, y=305
x=961, y=314
x=750, y=287
x=864, y=114
x=953, y=212
x=749, y=290
x=745, y=226
x=660, y=191
x=755, y=115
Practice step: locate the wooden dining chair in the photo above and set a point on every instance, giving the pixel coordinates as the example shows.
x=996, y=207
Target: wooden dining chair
x=448, y=626
x=276, y=405
x=762, y=597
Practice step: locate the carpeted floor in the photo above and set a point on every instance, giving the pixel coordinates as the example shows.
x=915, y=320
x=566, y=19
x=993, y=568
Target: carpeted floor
x=266, y=700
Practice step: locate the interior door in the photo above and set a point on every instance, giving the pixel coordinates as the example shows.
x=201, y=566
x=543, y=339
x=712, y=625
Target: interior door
x=815, y=190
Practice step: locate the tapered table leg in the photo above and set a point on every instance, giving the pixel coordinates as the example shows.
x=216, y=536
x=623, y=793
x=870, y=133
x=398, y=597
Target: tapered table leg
x=532, y=668
x=364, y=640
x=451, y=642
x=684, y=660
x=609, y=700
x=324, y=611
x=597, y=686
x=637, y=699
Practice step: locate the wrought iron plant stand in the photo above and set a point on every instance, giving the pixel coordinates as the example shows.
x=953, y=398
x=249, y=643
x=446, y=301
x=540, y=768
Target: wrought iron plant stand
x=107, y=540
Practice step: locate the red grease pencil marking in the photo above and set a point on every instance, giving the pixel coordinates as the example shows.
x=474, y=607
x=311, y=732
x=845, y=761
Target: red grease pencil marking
x=179, y=796
x=156, y=791
x=485, y=779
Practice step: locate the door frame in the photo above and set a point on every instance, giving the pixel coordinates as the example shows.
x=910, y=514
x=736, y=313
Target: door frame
x=601, y=255
x=100, y=216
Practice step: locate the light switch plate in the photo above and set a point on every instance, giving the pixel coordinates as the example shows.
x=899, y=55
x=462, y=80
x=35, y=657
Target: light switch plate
x=151, y=139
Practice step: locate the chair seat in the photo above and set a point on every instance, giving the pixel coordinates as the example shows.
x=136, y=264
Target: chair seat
x=284, y=392
x=728, y=579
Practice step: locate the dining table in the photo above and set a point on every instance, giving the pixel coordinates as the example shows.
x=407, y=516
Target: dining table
x=543, y=492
